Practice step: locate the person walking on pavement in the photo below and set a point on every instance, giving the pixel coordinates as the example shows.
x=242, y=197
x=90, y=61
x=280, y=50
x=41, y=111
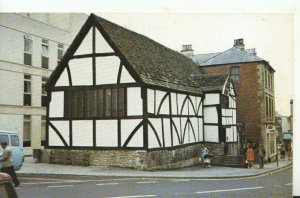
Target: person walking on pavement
x=203, y=153
x=250, y=157
x=261, y=154
x=289, y=152
x=282, y=152
x=7, y=166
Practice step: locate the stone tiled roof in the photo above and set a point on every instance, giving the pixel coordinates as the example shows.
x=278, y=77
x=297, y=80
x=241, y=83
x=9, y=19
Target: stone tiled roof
x=212, y=82
x=154, y=63
x=230, y=56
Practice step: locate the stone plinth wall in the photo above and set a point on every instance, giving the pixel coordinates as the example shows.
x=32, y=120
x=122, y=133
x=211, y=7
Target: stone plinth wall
x=177, y=157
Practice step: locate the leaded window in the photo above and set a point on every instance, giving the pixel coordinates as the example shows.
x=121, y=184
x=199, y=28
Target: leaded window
x=92, y=103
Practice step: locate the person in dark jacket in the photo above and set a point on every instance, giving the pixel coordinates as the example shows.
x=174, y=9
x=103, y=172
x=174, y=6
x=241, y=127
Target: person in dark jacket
x=261, y=155
x=7, y=166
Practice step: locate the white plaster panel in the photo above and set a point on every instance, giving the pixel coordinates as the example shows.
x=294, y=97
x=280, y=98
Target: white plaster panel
x=127, y=126
x=200, y=123
x=185, y=135
x=57, y=104
x=176, y=122
x=223, y=112
x=234, y=117
x=86, y=47
x=107, y=133
x=164, y=109
x=195, y=126
x=211, y=99
x=126, y=77
x=159, y=97
x=195, y=102
x=150, y=95
x=134, y=101
x=101, y=45
x=211, y=133
x=174, y=104
x=210, y=115
x=63, y=79
x=200, y=103
x=187, y=109
x=224, y=121
x=153, y=143
x=180, y=98
x=63, y=128
x=82, y=132
x=167, y=132
x=107, y=69
x=81, y=71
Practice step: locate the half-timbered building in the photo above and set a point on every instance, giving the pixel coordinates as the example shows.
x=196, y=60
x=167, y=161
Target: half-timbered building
x=120, y=96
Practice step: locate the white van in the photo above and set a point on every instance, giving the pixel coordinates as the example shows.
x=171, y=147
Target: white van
x=15, y=145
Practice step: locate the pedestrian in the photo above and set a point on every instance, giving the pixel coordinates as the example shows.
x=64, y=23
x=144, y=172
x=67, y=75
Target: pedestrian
x=261, y=154
x=7, y=166
x=203, y=153
x=250, y=157
x=282, y=152
x=289, y=152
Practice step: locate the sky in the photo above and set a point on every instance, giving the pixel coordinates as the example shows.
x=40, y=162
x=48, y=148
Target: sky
x=271, y=35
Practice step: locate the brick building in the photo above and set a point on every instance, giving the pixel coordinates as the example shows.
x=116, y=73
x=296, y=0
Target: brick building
x=253, y=79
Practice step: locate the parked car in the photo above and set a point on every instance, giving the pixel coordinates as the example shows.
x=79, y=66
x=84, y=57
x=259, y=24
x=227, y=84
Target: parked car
x=16, y=147
x=7, y=189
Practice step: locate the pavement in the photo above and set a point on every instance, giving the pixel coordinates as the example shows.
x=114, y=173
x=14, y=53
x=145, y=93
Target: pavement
x=30, y=167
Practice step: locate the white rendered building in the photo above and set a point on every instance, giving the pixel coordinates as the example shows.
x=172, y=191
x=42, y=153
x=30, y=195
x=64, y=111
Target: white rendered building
x=31, y=45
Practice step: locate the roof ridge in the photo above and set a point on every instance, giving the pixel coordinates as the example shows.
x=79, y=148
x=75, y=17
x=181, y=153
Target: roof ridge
x=216, y=55
x=208, y=53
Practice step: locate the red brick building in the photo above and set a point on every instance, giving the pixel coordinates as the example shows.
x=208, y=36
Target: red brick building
x=254, y=83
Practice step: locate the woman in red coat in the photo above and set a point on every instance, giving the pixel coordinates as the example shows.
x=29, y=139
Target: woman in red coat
x=250, y=157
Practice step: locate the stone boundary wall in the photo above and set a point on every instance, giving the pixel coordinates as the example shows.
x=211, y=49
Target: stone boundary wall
x=139, y=159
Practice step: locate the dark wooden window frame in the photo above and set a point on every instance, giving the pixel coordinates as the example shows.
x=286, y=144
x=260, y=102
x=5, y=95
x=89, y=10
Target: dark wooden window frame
x=85, y=106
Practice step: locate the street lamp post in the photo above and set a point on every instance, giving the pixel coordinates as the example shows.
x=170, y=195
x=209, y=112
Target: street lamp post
x=277, y=140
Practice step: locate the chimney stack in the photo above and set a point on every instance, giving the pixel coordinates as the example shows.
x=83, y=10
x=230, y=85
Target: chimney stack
x=187, y=50
x=239, y=43
x=252, y=51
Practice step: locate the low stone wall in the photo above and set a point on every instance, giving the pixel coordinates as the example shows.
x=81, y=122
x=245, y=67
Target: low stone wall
x=177, y=157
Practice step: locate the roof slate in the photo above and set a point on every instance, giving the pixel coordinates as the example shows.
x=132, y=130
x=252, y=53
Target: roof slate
x=230, y=56
x=212, y=82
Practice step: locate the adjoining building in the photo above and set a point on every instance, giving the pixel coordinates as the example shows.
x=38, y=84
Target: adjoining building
x=31, y=45
x=253, y=79
x=120, y=98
